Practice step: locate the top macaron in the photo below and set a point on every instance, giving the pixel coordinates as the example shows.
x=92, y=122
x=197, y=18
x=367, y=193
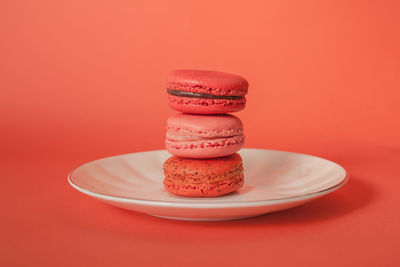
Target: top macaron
x=206, y=92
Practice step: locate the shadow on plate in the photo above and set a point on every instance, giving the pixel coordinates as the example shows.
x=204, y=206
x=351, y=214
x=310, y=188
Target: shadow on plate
x=353, y=196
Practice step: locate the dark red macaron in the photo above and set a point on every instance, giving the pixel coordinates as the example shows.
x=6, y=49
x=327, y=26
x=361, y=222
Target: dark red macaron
x=203, y=177
x=206, y=92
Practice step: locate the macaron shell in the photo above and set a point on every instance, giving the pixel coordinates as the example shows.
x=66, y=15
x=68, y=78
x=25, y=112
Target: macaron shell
x=209, y=82
x=205, y=106
x=205, y=190
x=203, y=178
x=209, y=148
x=201, y=124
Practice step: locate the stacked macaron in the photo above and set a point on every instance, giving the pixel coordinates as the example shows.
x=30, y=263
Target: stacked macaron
x=204, y=139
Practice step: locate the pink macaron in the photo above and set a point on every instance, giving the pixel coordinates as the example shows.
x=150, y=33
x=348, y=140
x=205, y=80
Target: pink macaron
x=206, y=92
x=204, y=136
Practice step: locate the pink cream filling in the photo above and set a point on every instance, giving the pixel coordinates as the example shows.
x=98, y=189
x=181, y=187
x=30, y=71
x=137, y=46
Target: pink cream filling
x=177, y=136
x=216, y=142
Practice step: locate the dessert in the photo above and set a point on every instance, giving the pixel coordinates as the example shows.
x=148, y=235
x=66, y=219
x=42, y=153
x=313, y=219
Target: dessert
x=203, y=177
x=206, y=92
x=203, y=139
x=204, y=136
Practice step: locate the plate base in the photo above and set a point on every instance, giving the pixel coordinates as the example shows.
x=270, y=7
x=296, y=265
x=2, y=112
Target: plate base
x=202, y=219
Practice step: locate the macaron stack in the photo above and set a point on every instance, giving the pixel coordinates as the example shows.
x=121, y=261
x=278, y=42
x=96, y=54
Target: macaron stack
x=203, y=138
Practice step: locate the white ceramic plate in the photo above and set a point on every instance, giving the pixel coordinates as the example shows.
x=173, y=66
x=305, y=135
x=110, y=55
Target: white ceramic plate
x=274, y=180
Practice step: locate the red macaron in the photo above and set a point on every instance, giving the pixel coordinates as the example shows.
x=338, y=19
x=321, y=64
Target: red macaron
x=205, y=177
x=206, y=92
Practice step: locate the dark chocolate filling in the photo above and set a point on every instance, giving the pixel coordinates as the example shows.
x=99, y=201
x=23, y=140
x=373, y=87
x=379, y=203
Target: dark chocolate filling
x=197, y=95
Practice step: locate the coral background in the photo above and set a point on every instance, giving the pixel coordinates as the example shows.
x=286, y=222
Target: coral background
x=81, y=80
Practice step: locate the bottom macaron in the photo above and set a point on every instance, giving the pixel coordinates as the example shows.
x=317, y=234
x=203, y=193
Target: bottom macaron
x=203, y=177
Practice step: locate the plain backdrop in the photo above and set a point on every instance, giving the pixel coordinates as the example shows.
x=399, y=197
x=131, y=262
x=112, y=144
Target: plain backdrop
x=80, y=80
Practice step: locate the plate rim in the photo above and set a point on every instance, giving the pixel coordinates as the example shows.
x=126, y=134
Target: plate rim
x=233, y=204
